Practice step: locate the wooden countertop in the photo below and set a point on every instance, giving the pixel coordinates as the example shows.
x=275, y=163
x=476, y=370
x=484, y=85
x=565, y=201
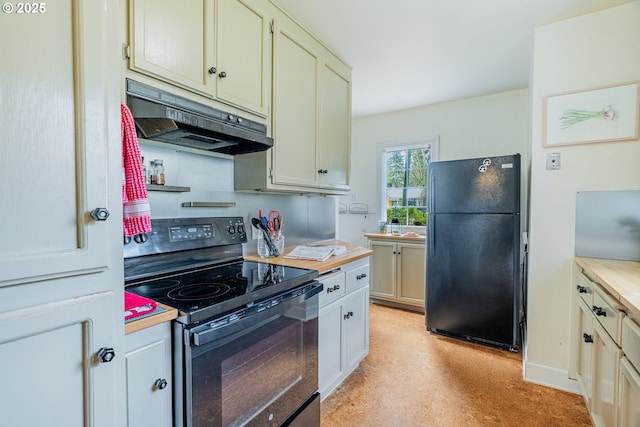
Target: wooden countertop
x=419, y=238
x=353, y=253
x=149, y=321
x=620, y=278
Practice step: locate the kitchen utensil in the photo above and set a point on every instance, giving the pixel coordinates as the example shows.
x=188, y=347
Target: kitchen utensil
x=273, y=250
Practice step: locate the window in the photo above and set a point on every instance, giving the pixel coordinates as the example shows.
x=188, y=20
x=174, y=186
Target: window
x=403, y=179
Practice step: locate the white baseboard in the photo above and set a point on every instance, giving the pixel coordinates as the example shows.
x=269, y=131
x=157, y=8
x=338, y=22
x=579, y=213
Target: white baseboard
x=550, y=377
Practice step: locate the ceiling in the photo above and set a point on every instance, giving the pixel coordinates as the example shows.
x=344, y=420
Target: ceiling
x=407, y=53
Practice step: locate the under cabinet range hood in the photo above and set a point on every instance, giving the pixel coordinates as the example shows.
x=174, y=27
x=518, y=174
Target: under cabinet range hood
x=162, y=116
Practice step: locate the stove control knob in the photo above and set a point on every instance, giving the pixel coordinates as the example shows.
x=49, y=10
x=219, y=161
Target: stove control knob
x=160, y=384
x=241, y=229
x=140, y=238
x=231, y=229
x=127, y=240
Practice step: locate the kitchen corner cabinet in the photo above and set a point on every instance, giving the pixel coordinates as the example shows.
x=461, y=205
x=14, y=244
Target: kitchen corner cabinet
x=61, y=276
x=343, y=325
x=596, y=351
x=311, y=119
x=216, y=48
x=149, y=378
x=398, y=273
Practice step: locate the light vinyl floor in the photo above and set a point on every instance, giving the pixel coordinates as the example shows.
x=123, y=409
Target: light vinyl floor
x=412, y=378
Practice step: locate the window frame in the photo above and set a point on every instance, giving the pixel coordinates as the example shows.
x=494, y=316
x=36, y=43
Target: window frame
x=432, y=143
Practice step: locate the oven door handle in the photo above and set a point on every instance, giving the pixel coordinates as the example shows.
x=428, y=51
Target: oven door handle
x=259, y=313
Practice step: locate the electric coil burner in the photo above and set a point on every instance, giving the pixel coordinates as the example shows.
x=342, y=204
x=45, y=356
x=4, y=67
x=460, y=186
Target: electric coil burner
x=244, y=328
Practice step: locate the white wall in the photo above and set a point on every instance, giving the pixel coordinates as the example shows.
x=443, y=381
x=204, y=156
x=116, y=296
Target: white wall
x=474, y=127
x=585, y=52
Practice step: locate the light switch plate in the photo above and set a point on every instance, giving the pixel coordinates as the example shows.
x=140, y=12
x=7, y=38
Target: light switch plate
x=553, y=161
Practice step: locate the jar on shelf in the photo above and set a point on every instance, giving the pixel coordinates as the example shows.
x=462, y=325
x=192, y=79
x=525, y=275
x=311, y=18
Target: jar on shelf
x=157, y=173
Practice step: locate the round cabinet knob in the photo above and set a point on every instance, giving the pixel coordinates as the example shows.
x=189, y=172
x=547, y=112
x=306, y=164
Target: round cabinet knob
x=106, y=354
x=140, y=238
x=212, y=70
x=230, y=117
x=222, y=74
x=100, y=214
x=160, y=384
x=239, y=120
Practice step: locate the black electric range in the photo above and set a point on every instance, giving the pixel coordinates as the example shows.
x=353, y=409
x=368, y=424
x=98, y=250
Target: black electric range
x=195, y=265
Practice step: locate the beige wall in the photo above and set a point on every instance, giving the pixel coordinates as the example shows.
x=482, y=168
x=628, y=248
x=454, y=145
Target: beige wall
x=474, y=127
x=590, y=51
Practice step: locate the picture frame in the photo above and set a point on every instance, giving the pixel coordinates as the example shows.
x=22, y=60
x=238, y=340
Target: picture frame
x=603, y=114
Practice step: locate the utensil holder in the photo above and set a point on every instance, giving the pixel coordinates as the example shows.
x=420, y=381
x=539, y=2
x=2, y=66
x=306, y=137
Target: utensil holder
x=270, y=245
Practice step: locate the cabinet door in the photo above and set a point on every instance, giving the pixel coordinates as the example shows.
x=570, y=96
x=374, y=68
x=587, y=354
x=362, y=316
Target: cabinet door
x=356, y=326
x=383, y=269
x=335, y=125
x=585, y=350
x=58, y=114
x=629, y=410
x=411, y=273
x=606, y=358
x=331, y=360
x=174, y=41
x=51, y=375
x=149, y=382
x=243, y=60
x=295, y=100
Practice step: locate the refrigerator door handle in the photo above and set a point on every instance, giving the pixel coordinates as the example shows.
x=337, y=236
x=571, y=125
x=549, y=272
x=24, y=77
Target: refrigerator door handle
x=432, y=235
x=431, y=219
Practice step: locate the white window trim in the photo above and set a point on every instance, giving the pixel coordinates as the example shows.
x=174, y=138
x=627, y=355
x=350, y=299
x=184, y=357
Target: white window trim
x=381, y=168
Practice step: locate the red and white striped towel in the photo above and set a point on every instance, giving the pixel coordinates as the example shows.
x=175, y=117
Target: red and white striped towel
x=136, y=212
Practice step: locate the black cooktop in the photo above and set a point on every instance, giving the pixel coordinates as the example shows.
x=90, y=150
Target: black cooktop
x=203, y=293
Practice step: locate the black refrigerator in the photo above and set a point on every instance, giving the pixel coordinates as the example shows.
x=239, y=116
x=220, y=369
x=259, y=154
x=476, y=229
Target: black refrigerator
x=473, y=250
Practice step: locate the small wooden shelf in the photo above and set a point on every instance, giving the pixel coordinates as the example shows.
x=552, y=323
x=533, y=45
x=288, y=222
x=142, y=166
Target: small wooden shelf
x=168, y=188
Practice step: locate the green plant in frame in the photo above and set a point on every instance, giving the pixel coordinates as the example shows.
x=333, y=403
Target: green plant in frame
x=571, y=117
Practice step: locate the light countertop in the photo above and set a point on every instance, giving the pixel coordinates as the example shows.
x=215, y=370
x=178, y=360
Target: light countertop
x=353, y=253
x=149, y=321
x=620, y=278
x=419, y=238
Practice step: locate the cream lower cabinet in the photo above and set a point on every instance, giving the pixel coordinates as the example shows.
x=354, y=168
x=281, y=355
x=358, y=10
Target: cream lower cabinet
x=398, y=272
x=629, y=379
x=149, y=377
x=597, y=351
x=343, y=327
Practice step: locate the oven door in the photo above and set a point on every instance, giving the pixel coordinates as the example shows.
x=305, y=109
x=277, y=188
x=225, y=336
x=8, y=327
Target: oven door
x=256, y=366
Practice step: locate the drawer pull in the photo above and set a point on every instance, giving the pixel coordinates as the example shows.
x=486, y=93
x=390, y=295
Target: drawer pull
x=587, y=337
x=582, y=289
x=348, y=315
x=361, y=276
x=599, y=311
x=335, y=288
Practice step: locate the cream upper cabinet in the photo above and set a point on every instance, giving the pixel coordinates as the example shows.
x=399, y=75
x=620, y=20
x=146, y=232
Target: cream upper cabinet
x=311, y=119
x=333, y=149
x=173, y=41
x=295, y=105
x=56, y=116
x=220, y=49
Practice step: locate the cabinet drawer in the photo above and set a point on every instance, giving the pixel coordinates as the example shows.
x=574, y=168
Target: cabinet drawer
x=357, y=277
x=585, y=289
x=631, y=341
x=608, y=312
x=334, y=287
